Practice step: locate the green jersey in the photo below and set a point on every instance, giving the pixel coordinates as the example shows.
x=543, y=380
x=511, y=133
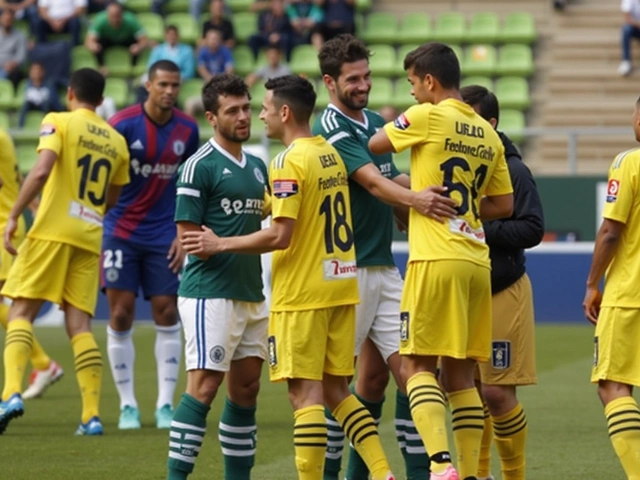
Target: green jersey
x=228, y=196
x=372, y=219
x=126, y=33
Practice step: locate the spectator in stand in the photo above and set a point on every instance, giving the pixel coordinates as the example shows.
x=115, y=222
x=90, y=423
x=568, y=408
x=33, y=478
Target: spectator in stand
x=13, y=48
x=260, y=6
x=274, y=28
x=39, y=95
x=339, y=17
x=630, y=29
x=220, y=22
x=178, y=53
x=60, y=16
x=23, y=9
x=274, y=68
x=305, y=17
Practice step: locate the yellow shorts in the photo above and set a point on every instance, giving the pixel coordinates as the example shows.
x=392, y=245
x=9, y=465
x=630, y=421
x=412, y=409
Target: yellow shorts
x=616, y=353
x=6, y=259
x=309, y=343
x=513, y=352
x=446, y=310
x=56, y=272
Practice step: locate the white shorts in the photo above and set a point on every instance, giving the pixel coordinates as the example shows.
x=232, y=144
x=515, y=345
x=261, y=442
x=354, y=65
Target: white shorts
x=218, y=331
x=378, y=314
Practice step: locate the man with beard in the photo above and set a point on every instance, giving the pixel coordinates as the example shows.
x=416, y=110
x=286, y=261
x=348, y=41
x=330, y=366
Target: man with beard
x=221, y=302
x=375, y=185
x=139, y=248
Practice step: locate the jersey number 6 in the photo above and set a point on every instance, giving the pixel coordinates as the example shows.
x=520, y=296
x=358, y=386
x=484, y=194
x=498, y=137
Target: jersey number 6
x=335, y=228
x=480, y=176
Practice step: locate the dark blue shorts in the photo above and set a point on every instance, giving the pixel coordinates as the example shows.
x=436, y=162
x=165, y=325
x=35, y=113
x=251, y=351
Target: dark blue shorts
x=133, y=266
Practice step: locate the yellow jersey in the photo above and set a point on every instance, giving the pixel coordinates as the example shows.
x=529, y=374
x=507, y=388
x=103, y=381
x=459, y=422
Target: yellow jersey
x=91, y=156
x=623, y=205
x=10, y=175
x=452, y=146
x=309, y=183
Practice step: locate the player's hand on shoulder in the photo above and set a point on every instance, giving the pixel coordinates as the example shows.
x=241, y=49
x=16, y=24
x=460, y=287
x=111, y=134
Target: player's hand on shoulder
x=432, y=202
x=591, y=304
x=201, y=244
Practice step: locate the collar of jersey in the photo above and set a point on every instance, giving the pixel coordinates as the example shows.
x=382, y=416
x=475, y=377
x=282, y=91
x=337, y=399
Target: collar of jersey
x=217, y=147
x=364, y=125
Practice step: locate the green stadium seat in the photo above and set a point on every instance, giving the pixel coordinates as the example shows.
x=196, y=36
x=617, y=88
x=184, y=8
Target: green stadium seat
x=403, y=98
x=5, y=121
x=243, y=60
x=402, y=160
x=18, y=98
x=512, y=122
x=519, y=27
x=177, y=6
x=404, y=50
x=187, y=26
x=457, y=49
x=383, y=60
x=117, y=89
x=190, y=88
x=359, y=23
x=245, y=24
x=304, y=61
x=484, y=28
x=363, y=5
x=323, y=96
x=32, y=121
x=480, y=60
x=257, y=96
x=239, y=5
x=27, y=156
x=513, y=92
x=414, y=28
x=515, y=60
x=485, y=82
x=118, y=62
x=257, y=126
x=23, y=26
x=81, y=57
x=141, y=65
x=153, y=25
x=138, y=6
x=380, y=27
x=381, y=93
x=6, y=94
x=450, y=28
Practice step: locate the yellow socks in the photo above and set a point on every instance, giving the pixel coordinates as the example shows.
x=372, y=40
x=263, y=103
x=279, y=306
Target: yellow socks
x=428, y=411
x=88, y=362
x=39, y=358
x=16, y=355
x=623, y=421
x=310, y=441
x=484, y=468
x=359, y=426
x=511, y=437
x=467, y=421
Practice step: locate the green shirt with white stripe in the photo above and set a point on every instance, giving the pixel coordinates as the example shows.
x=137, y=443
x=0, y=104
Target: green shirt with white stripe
x=216, y=190
x=372, y=219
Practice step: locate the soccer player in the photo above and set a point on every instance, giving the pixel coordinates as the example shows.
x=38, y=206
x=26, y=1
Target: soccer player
x=82, y=165
x=139, y=247
x=45, y=370
x=314, y=284
x=375, y=185
x=513, y=353
x=616, y=312
x=446, y=300
x=221, y=301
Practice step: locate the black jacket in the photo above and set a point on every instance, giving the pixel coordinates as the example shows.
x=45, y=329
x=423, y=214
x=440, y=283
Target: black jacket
x=507, y=238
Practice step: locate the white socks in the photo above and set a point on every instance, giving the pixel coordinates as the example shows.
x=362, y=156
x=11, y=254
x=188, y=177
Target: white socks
x=168, y=351
x=121, y=359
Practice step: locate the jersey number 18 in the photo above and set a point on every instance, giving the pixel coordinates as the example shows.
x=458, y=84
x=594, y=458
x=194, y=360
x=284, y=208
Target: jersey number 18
x=469, y=195
x=335, y=223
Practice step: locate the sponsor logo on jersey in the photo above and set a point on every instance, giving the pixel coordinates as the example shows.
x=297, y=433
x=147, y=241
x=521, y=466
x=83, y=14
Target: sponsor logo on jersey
x=226, y=171
x=613, y=187
x=162, y=170
x=402, y=122
x=249, y=206
x=285, y=188
x=339, y=269
x=137, y=145
x=404, y=326
x=258, y=174
x=461, y=227
x=47, y=129
x=216, y=354
x=178, y=147
x=501, y=354
x=85, y=214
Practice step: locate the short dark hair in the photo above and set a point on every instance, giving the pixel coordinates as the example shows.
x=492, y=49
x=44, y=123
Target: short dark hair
x=480, y=97
x=170, y=28
x=295, y=92
x=344, y=48
x=222, y=84
x=87, y=85
x=164, y=65
x=436, y=59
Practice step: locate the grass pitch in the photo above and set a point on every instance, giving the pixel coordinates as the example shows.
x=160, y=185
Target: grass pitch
x=567, y=430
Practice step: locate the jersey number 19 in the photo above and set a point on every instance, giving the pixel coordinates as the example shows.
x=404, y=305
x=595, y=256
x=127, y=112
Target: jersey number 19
x=91, y=172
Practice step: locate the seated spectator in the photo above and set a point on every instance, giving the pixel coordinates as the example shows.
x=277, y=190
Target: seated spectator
x=178, y=53
x=630, y=29
x=115, y=27
x=214, y=57
x=23, y=9
x=39, y=95
x=60, y=16
x=219, y=22
x=274, y=28
x=274, y=68
x=55, y=58
x=305, y=17
x=13, y=48
x=339, y=17
x=388, y=113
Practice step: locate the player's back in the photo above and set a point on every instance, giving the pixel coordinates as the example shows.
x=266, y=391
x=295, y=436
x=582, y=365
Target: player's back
x=310, y=184
x=454, y=147
x=91, y=155
x=10, y=175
